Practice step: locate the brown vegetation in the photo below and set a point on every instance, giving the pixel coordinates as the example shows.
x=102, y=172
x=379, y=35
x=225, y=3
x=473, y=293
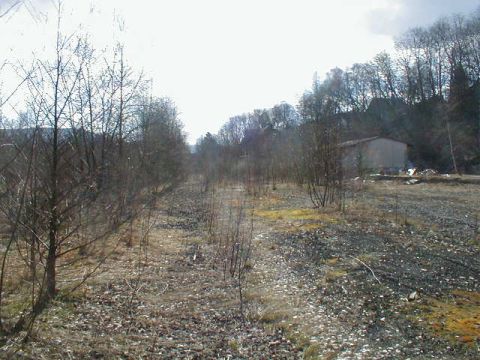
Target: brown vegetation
x=90, y=153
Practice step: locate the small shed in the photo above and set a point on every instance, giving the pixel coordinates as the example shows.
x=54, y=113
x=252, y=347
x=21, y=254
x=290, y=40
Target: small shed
x=374, y=155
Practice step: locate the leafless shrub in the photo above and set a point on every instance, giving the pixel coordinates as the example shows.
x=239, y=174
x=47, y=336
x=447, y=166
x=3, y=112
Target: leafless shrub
x=232, y=236
x=89, y=154
x=321, y=165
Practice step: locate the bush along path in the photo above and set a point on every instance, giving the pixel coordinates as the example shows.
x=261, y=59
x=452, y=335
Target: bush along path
x=159, y=299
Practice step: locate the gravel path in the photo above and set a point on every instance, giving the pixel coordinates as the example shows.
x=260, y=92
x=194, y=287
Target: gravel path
x=320, y=282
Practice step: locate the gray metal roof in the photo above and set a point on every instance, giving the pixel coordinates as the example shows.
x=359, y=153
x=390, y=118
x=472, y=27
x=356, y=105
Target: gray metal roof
x=358, y=141
x=364, y=140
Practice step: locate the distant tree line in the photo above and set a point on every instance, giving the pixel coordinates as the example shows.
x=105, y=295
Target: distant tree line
x=427, y=94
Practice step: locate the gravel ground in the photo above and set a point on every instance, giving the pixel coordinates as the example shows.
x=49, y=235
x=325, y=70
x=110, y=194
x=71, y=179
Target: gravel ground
x=322, y=284
x=357, y=272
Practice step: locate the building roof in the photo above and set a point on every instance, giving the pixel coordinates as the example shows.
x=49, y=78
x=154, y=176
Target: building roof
x=364, y=140
x=357, y=141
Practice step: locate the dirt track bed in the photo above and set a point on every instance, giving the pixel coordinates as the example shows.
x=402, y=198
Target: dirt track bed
x=453, y=209
x=405, y=236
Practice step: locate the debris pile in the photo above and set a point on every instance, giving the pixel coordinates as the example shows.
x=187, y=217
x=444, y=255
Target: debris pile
x=428, y=172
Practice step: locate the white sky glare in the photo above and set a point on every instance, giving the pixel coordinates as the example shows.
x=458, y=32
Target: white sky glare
x=219, y=58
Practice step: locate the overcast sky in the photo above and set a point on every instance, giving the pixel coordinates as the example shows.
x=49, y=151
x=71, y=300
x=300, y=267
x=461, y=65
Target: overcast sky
x=219, y=58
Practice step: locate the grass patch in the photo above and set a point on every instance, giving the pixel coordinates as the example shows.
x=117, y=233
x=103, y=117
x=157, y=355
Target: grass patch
x=312, y=352
x=332, y=261
x=271, y=316
x=333, y=275
x=59, y=310
x=298, y=220
x=234, y=345
x=277, y=312
x=295, y=215
x=68, y=296
x=15, y=307
x=300, y=227
x=367, y=257
x=268, y=200
x=300, y=340
x=474, y=241
x=456, y=318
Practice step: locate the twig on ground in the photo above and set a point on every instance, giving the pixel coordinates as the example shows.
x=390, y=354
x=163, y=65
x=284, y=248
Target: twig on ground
x=368, y=267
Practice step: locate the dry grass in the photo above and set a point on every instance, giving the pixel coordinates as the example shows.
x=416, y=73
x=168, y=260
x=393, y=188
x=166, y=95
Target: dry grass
x=332, y=261
x=73, y=269
x=334, y=274
x=278, y=312
x=456, y=318
x=293, y=228
x=166, y=281
x=295, y=214
x=312, y=352
x=366, y=212
x=368, y=257
x=273, y=315
x=298, y=220
x=268, y=200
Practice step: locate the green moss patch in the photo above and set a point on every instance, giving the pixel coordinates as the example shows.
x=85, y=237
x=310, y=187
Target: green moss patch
x=456, y=318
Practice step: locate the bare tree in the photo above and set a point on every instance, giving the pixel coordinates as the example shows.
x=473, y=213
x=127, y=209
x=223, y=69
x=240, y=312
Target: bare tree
x=320, y=135
x=90, y=153
x=10, y=7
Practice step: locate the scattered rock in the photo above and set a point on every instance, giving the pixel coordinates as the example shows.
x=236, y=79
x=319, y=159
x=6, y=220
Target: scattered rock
x=413, y=296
